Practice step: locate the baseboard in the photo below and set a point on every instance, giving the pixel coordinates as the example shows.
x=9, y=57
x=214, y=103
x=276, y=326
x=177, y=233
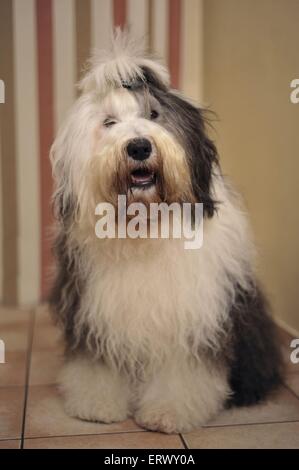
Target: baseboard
x=287, y=328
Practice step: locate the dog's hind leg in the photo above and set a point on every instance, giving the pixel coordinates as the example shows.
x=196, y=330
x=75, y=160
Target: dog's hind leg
x=93, y=391
x=255, y=363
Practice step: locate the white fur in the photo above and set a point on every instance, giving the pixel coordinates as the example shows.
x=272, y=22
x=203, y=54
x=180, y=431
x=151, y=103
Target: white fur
x=94, y=392
x=181, y=396
x=122, y=63
x=147, y=297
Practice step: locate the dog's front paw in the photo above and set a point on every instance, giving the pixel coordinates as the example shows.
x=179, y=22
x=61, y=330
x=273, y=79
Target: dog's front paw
x=162, y=419
x=104, y=411
x=92, y=392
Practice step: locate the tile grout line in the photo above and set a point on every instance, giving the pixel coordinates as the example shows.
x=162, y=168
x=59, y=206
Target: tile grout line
x=183, y=441
x=291, y=390
x=216, y=426
x=117, y=433
x=5, y=439
x=28, y=365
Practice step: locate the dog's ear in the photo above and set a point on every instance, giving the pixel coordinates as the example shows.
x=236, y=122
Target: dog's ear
x=203, y=159
x=189, y=124
x=63, y=208
x=63, y=205
x=68, y=157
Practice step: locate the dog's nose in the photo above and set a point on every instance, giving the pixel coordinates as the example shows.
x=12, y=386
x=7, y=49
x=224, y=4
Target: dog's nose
x=139, y=149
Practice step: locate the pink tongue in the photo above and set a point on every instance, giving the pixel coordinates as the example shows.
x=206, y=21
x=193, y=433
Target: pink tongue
x=141, y=178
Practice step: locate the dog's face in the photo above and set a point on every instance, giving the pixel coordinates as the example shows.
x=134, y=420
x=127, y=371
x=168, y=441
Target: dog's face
x=137, y=150
x=137, y=138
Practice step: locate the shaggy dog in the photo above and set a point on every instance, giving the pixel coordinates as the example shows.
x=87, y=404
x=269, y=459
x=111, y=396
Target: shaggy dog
x=167, y=335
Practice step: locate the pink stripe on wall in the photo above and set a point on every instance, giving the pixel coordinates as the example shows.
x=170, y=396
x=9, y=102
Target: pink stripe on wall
x=8, y=183
x=120, y=12
x=46, y=130
x=174, y=48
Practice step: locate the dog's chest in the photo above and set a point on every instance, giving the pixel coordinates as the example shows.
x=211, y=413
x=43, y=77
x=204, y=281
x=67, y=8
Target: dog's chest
x=155, y=291
x=146, y=305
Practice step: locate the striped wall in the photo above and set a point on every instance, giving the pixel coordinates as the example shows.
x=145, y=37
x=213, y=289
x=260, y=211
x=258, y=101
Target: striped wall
x=43, y=47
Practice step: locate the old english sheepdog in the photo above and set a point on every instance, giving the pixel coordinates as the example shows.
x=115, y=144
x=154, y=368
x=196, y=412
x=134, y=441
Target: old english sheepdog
x=166, y=335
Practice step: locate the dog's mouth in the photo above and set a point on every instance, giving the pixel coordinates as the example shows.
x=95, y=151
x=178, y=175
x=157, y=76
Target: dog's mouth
x=142, y=178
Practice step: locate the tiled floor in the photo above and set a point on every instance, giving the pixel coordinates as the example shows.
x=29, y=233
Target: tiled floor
x=32, y=415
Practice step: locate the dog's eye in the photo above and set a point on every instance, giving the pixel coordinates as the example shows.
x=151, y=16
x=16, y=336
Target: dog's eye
x=154, y=114
x=109, y=122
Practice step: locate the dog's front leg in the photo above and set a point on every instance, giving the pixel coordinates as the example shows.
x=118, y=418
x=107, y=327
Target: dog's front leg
x=183, y=395
x=93, y=391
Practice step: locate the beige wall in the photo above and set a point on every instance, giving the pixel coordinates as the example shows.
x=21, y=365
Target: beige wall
x=251, y=54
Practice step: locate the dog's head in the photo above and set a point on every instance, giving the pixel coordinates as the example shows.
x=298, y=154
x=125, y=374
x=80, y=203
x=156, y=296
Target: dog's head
x=130, y=134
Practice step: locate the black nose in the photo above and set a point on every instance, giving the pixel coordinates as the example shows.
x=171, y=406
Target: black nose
x=139, y=149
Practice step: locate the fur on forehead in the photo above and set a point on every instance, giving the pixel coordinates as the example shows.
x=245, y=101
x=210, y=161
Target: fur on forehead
x=123, y=66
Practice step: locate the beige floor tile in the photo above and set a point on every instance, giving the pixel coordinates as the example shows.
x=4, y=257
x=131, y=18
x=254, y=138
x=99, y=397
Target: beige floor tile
x=46, y=417
x=10, y=444
x=45, y=366
x=292, y=381
x=13, y=372
x=282, y=406
x=257, y=436
x=138, y=440
x=11, y=412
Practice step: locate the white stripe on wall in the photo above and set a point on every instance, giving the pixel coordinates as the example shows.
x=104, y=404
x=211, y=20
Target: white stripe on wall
x=160, y=29
x=192, y=49
x=102, y=23
x=64, y=58
x=138, y=19
x=27, y=151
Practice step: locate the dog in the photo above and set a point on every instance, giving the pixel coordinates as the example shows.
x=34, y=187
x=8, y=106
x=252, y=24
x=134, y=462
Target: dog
x=166, y=335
